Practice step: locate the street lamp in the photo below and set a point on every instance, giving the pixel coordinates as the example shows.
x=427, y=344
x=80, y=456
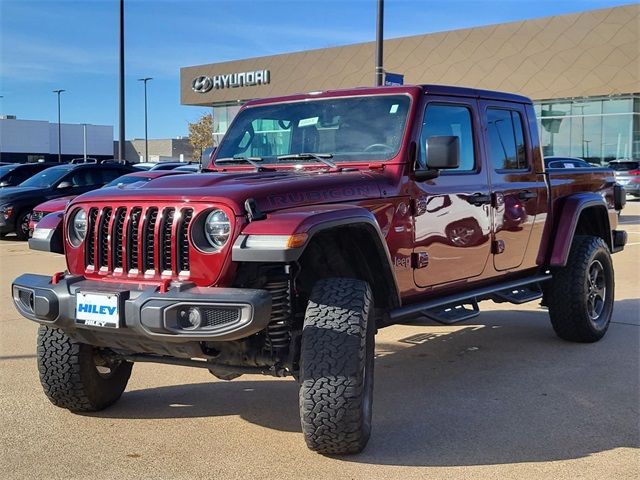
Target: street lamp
x=59, y=135
x=146, y=133
x=379, y=41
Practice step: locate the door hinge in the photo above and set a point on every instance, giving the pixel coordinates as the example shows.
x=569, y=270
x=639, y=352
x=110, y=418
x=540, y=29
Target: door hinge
x=497, y=247
x=419, y=260
x=419, y=206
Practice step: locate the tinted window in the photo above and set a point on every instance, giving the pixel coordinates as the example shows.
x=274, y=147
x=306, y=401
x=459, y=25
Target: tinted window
x=624, y=166
x=506, y=139
x=108, y=175
x=447, y=120
x=84, y=178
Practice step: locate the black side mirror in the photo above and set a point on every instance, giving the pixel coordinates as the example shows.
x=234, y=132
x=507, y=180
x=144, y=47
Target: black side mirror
x=442, y=152
x=4, y=183
x=65, y=184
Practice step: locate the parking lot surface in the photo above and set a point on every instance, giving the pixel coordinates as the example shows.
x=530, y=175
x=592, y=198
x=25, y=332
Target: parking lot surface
x=498, y=397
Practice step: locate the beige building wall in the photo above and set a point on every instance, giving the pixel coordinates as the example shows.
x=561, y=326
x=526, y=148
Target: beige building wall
x=585, y=54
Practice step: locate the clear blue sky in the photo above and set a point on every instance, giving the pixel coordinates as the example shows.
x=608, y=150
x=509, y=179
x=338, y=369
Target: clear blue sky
x=72, y=45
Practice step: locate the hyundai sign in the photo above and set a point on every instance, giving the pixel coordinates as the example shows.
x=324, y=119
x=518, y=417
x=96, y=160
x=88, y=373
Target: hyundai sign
x=203, y=83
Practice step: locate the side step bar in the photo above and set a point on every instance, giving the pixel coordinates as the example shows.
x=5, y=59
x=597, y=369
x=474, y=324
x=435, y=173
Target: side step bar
x=451, y=308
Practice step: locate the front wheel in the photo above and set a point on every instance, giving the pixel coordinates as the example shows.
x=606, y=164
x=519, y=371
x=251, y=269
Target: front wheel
x=73, y=374
x=22, y=226
x=580, y=295
x=336, y=366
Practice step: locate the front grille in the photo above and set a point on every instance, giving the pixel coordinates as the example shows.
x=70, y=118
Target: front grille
x=134, y=240
x=215, y=317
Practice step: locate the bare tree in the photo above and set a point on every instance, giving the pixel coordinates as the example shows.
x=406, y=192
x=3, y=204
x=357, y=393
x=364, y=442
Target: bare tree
x=201, y=135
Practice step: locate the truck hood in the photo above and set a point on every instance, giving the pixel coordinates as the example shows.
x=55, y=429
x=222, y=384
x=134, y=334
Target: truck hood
x=271, y=190
x=55, y=204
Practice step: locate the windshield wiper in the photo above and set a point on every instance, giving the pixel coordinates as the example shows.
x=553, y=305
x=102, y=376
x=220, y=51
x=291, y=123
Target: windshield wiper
x=250, y=160
x=320, y=157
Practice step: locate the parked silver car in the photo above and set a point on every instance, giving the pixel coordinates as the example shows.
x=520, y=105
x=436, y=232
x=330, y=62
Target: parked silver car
x=627, y=174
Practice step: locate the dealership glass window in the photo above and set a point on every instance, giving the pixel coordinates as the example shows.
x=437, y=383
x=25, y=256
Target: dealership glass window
x=506, y=139
x=596, y=129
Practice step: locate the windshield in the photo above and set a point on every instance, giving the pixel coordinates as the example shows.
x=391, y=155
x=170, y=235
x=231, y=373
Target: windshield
x=126, y=180
x=349, y=129
x=46, y=178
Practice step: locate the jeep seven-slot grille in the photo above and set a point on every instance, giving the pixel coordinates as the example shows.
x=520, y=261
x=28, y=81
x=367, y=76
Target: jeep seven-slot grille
x=148, y=240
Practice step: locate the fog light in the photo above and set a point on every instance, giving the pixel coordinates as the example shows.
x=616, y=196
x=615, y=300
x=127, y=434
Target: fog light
x=189, y=318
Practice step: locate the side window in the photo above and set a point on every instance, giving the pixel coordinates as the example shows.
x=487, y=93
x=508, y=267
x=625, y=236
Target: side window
x=506, y=139
x=439, y=120
x=82, y=178
x=108, y=175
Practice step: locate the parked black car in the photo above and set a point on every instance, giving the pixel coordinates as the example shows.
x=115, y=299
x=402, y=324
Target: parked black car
x=16, y=203
x=12, y=174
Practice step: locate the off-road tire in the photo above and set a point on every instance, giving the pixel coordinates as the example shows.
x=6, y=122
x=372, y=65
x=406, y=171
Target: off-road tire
x=336, y=366
x=69, y=375
x=568, y=293
x=22, y=234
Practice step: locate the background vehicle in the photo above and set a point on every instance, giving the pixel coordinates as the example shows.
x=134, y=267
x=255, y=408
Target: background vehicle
x=134, y=179
x=170, y=165
x=566, y=162
x=13, y=174
x=16, y=203
x=328, y=216
x=144, y=165
x=627, y=174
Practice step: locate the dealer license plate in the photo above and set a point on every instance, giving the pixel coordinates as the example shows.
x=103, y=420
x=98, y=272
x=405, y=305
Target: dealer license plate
x=98, y=309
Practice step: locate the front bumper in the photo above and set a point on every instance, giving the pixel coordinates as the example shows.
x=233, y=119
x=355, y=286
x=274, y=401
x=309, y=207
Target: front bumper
x=148, y=318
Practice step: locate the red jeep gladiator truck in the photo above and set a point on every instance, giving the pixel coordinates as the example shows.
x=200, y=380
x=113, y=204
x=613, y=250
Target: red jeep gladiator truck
x=322, y=218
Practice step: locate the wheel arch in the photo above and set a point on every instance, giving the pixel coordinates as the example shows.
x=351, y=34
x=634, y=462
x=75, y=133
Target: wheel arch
x=583, y=214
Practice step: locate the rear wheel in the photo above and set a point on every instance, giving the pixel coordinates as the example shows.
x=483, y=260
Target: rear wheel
x=580, y=295
x=336, y=366
x=73, y=374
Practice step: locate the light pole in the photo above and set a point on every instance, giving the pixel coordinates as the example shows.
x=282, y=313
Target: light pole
x=121, y=86
x=379, y=40
x=146, y=133
x=59, y=134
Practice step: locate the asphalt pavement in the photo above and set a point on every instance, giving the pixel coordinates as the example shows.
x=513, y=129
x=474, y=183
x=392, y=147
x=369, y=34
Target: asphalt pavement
x=498, y=397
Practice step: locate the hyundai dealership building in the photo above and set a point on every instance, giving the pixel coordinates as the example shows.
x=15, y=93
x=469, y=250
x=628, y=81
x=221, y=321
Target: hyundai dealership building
x=581, y=70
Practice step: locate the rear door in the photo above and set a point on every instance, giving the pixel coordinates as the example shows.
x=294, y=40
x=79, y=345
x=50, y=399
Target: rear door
x=452, y=213
x=516, y=187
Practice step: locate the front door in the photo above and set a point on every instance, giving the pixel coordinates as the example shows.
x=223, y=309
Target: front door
x=515, y=184
x=452, y=213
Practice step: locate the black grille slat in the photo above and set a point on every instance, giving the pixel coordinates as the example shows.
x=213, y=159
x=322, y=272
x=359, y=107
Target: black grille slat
x=182, y=239
x=149, y=239
x=103, y=238
x=165, y=239
x=132, y=238
x=117, y=237
x=90, y=250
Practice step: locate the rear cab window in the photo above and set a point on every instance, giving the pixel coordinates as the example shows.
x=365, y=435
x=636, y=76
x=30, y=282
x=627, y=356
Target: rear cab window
x=505, y=136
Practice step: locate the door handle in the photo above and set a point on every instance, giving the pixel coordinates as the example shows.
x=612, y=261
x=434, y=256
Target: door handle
x=479, y=199
x=527, y=195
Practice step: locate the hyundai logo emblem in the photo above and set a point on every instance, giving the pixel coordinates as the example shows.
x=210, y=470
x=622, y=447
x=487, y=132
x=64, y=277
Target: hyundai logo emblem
x=201, y=84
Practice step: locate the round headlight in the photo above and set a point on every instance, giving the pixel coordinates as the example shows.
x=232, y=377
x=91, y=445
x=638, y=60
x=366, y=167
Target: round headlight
x=78, y=227
x=217, y=228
